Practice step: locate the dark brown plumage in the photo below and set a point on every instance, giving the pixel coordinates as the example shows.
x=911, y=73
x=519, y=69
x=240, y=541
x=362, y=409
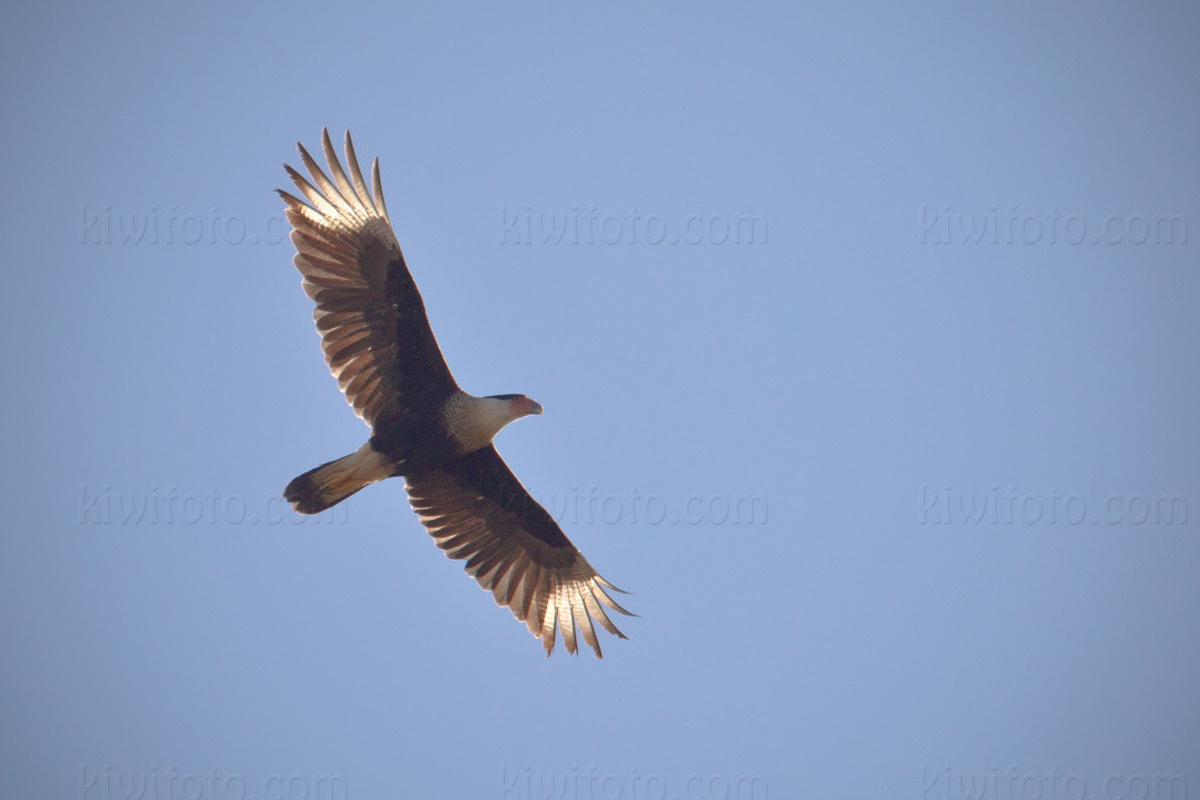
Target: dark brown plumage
x=424, y=428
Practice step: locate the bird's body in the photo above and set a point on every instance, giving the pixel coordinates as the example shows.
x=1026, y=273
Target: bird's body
x=378, y=344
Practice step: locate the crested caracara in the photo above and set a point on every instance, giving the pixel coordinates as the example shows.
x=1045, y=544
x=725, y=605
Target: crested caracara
x=424, y=428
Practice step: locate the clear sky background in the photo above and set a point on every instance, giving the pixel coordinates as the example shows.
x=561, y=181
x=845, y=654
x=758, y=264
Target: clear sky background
x=855, y=374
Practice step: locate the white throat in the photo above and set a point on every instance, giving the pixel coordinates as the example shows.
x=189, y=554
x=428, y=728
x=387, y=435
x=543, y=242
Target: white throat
x=474, y=421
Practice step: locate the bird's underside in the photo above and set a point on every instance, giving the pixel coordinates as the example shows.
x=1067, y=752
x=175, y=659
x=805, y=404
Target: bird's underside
x=378, y=344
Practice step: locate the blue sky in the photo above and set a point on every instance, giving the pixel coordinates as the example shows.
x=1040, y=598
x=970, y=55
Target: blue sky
x=895, y=445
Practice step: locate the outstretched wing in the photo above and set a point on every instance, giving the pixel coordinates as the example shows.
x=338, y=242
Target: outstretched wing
x=477, y=510
x=374, y=331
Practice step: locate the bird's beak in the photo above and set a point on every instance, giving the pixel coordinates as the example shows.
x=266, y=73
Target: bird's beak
x=535, y=408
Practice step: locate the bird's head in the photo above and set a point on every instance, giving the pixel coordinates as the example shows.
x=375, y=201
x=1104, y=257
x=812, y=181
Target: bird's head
x=474, y=421
x=519, y=405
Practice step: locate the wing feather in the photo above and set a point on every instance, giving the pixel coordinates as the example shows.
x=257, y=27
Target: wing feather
x=360, y=186
x=380, y=204
x=477, y=511
x=344, y=186
x=374, y=331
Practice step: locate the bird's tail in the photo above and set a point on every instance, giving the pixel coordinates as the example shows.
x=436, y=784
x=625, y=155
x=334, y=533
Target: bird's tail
x=331, y=483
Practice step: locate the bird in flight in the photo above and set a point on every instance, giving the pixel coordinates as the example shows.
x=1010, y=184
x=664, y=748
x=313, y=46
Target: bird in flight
x=424, y=428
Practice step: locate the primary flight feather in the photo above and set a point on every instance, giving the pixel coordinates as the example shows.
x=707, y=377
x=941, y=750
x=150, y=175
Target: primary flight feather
x=424, y=428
